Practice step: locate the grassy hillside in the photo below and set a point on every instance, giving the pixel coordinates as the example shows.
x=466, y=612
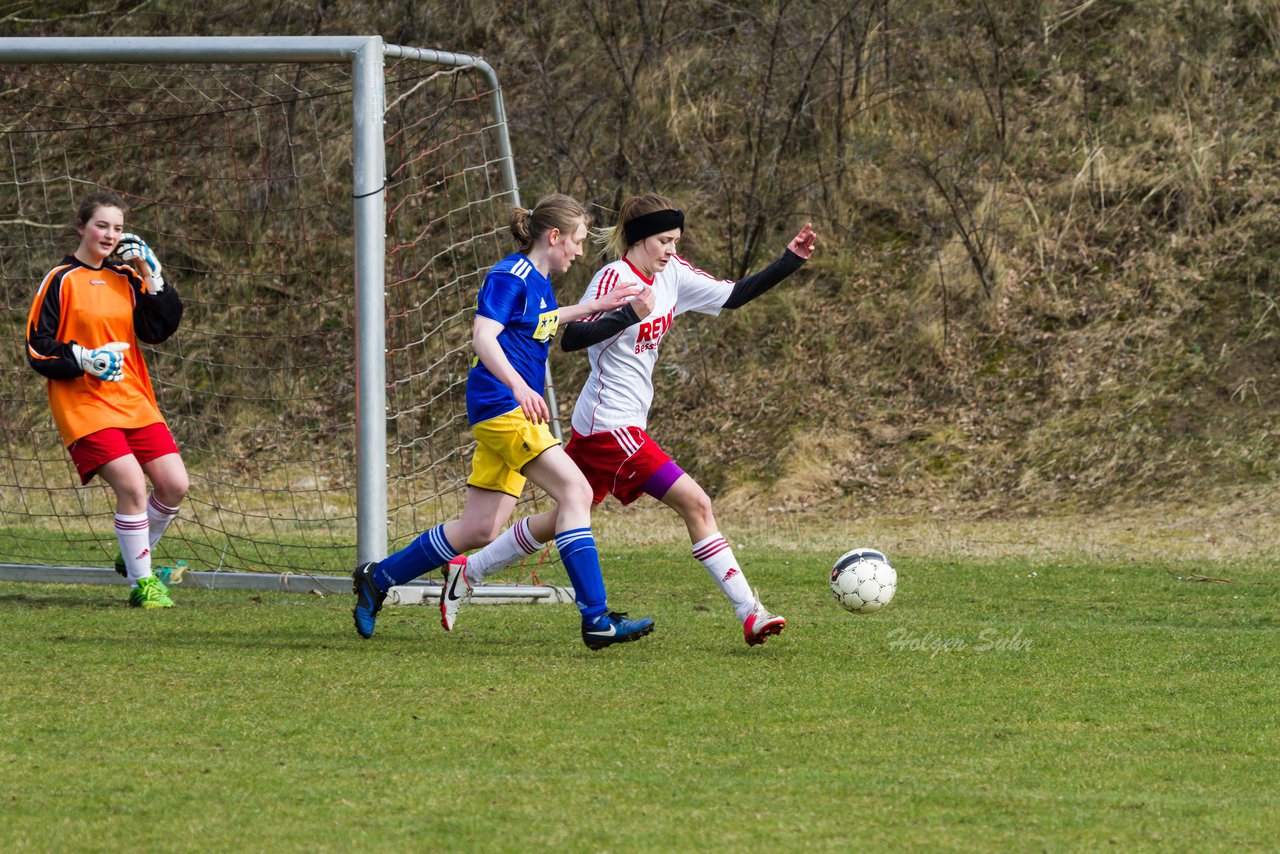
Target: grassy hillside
x=1047, y=268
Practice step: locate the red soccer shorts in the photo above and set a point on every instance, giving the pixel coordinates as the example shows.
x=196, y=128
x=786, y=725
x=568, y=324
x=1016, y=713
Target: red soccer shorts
x=625, y=462
x=91, y=452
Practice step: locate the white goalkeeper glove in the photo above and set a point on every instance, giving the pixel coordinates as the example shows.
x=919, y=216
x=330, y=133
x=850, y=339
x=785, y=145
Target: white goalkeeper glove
x=106, y=362
x=135, y=250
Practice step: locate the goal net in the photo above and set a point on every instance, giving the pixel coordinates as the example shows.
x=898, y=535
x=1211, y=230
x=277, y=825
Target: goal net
x=240, y=176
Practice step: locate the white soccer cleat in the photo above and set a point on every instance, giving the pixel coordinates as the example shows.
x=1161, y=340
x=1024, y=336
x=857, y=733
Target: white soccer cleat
x=456, y=590
x=761, y=624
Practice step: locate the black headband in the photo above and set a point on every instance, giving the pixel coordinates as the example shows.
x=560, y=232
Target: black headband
x=637, y=229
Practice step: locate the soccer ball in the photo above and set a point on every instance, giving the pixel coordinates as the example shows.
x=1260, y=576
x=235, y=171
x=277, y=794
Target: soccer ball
x=863, y=580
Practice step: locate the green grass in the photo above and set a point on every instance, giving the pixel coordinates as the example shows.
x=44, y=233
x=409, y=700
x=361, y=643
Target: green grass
x=995, y=705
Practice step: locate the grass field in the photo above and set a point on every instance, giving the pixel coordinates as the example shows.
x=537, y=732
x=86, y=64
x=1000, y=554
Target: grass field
x=1000, y=703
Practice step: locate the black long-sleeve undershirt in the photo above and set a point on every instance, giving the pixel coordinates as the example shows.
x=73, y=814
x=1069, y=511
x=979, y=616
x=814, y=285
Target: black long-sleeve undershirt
x=745, y=290
x=581, y=334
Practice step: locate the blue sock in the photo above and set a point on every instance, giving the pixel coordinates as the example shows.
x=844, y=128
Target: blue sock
x=578, y=553
x=421, y=556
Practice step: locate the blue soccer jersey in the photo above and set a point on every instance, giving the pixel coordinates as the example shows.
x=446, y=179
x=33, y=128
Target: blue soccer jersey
x=520, y=298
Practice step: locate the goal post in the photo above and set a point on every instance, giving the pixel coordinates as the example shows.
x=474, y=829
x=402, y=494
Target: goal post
x=262, y=145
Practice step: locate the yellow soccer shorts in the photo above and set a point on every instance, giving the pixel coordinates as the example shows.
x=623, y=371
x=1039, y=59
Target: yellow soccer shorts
x=504, y=446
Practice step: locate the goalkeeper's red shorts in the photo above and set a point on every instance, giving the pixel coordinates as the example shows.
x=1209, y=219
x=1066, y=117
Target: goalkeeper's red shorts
x=625, y=462
x=92, y=452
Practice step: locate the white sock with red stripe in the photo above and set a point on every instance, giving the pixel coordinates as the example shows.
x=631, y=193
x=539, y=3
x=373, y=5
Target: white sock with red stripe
x=511, y=545
x=131, y=534
x=158, y=518
x=715, y=554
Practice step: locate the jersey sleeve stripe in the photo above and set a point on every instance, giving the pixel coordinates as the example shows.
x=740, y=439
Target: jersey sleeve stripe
x=42, y=316
x=608, y=278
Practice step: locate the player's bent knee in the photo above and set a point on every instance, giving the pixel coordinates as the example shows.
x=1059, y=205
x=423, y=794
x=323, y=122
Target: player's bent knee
x=695, y=508
x=703, y=511
x=169, y=478
x=491, y=534
x=130, y=487
x=475, y=536
x=172, y=492
x=130, y=497
x=575, y=499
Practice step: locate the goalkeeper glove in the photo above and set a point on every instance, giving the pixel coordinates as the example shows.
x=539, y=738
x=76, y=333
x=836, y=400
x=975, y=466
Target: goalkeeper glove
x=135, y=250
x=106, y=362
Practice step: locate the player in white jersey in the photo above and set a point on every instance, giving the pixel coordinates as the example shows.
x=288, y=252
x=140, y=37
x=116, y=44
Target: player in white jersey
x=610, y=443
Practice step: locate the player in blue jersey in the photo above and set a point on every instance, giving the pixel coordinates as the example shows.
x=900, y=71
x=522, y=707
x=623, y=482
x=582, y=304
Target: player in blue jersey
x=610, y=442
x=516, y=318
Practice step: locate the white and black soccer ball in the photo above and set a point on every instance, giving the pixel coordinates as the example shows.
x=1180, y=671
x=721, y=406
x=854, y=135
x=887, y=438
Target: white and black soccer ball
x=863, y=580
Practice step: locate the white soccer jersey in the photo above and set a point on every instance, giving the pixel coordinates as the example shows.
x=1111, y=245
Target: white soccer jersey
x=619, y=390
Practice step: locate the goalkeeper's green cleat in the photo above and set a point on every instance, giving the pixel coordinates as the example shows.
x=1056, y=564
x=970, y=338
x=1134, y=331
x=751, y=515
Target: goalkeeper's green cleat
x=150, y=593
x=121, y=569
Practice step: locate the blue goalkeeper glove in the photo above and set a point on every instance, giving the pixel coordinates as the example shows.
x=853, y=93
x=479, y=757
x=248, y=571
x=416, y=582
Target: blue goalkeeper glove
x=106, y=362
x=135, y=250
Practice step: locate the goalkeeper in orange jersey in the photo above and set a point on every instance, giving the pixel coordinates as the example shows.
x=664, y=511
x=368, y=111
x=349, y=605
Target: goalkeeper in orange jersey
x=89, y=314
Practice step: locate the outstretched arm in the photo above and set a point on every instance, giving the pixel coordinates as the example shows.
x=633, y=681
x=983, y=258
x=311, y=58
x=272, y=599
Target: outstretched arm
x=799, y=250
x=584, y=333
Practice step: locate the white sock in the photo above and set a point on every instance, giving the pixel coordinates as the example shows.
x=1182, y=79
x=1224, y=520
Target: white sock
x=158, y=518
x=131, y=534
x=715, y=554
x=511, y=545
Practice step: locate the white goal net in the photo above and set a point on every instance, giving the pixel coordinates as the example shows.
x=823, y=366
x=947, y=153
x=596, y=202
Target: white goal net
x=240, y=176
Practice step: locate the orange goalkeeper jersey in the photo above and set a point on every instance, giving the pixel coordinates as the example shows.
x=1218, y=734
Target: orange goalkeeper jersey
x=79, y=304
